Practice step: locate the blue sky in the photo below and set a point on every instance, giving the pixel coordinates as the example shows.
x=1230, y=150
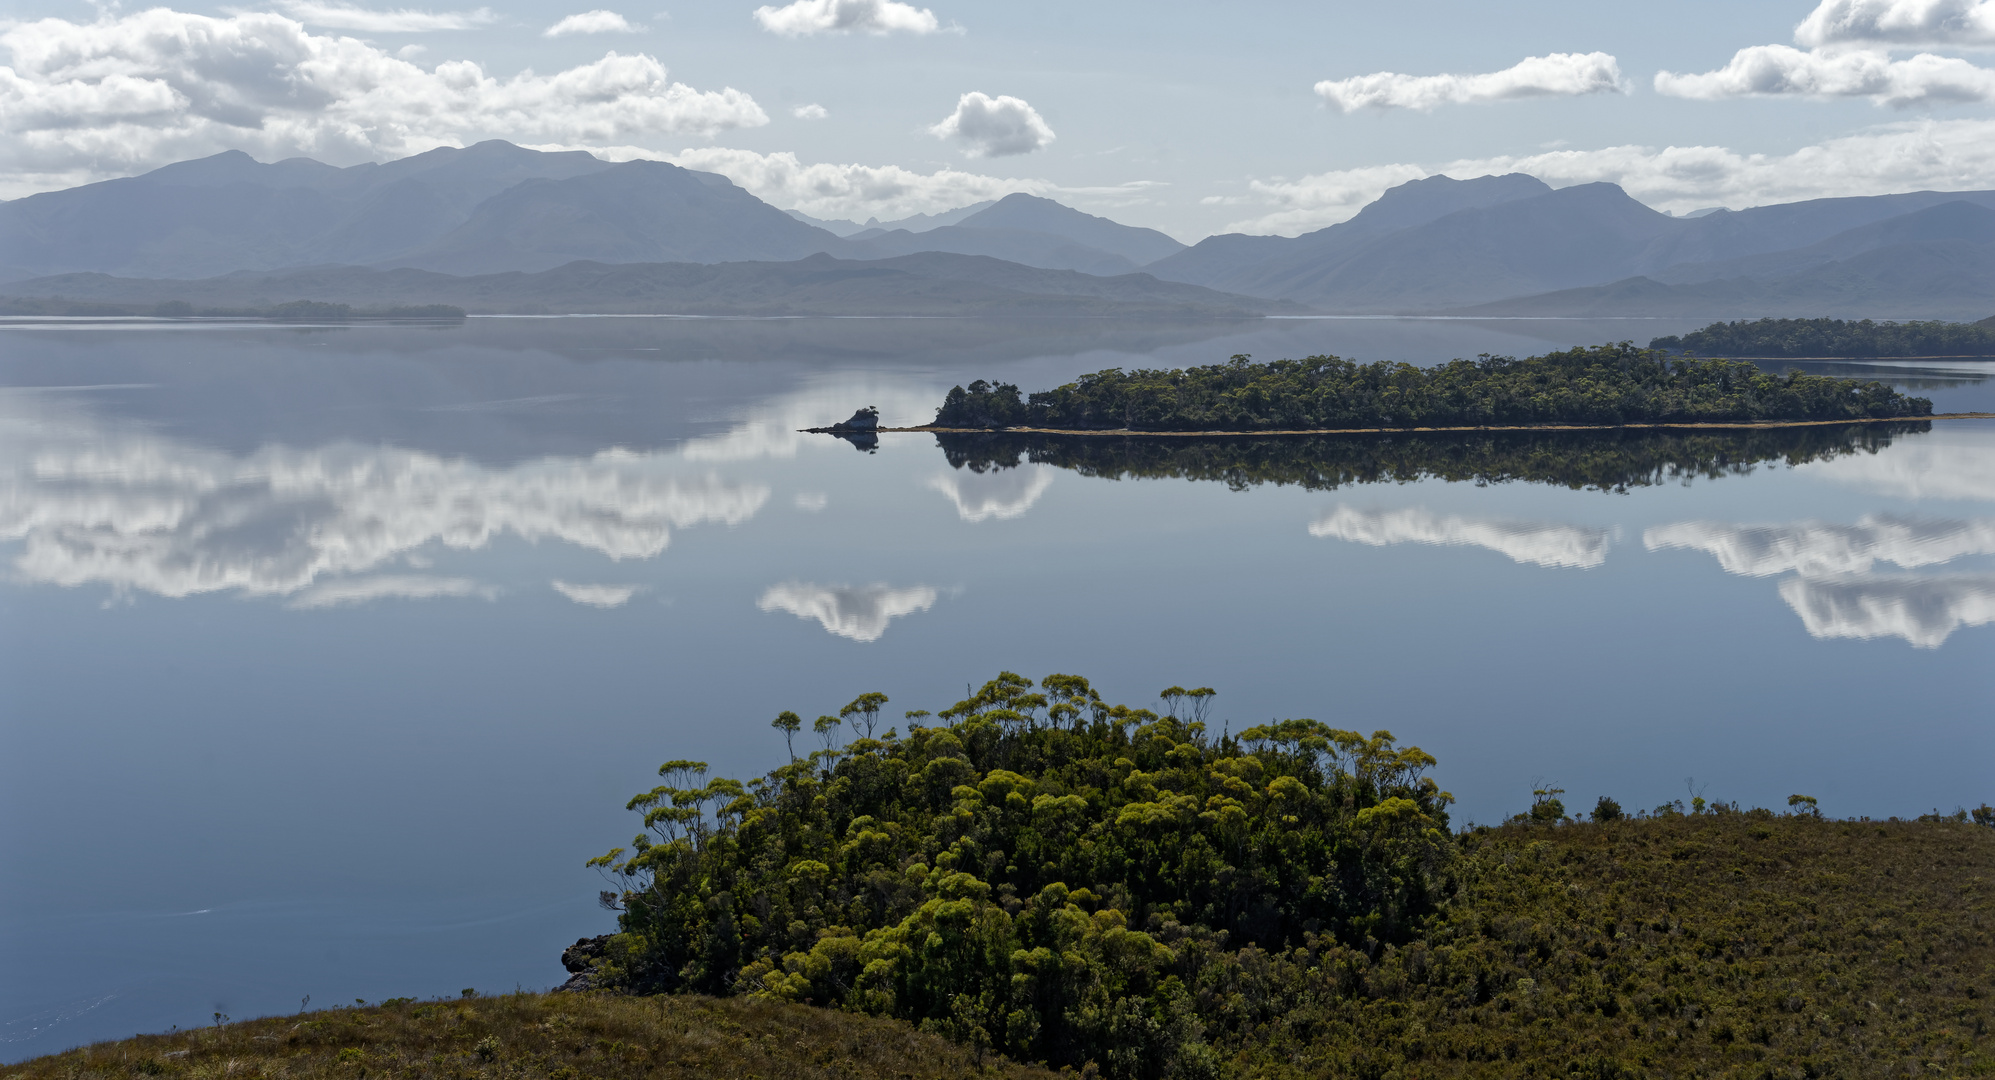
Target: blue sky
x=1191, y=118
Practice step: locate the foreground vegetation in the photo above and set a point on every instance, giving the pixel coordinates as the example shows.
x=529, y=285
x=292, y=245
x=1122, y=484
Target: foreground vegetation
x=550, y=1036
x=1606, y=384
x=1122, y=891
x=1615, y=460
x=1854, y=339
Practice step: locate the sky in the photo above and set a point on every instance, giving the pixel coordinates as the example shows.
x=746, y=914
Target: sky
x=1260, y=116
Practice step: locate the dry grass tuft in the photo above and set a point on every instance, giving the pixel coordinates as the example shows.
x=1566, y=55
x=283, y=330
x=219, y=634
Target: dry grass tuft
x=531, y=1036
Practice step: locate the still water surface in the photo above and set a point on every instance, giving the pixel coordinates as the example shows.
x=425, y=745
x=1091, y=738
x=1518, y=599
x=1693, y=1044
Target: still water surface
x=327, y=655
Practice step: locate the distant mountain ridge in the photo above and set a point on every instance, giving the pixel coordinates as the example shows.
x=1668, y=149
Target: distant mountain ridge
x=1490, y=245
x=925, y=283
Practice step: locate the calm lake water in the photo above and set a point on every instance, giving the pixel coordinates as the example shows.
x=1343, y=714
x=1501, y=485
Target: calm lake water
x=327, y=655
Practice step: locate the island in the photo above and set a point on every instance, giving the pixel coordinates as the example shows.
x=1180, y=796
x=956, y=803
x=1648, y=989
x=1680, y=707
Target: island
x=1598, y=386
x=1836, y=339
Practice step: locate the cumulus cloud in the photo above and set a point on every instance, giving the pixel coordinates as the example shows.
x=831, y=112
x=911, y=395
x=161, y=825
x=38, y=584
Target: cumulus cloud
x=994, y=126
x=602, y=596
x=1946, y=155
x=1923, y=610
x=861, y=614
x=812, y=111
x=372, y=21
x=1782, y=70
x=591, y=22
x=1003, y=494
x=828, y=190
x=361, y=590
x=149, y=514
x=1817, y=549
x=83, y=100
x=1900, y=22
x=1554, y=75
x=1539, y=543
x=807, y=17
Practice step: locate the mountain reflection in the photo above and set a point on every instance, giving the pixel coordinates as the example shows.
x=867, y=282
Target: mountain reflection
x=141, y=513
x=1537, y=542
x=1615, y=460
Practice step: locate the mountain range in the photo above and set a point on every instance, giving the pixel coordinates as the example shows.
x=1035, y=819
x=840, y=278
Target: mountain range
x=1491, y=245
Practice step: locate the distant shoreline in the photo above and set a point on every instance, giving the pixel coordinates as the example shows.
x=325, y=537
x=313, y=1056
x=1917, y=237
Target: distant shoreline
x=1717, y=424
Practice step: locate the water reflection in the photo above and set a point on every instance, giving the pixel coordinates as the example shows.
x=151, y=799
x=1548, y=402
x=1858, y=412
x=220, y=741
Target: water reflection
x=1950, y=464
x=1816, y=548
x=148, y=514
x=1001, y=494
x=1583, y=460
x=861, y=613
x=1535, y=542
x=1922, y=610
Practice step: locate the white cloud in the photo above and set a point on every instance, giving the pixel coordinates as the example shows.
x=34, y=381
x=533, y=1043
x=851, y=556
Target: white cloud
x=602, y=596
x=1900, y=22
x=390, y=586
x=860, y=613
x=994, y=126
x=1781, y=70
x=136, y=512
x=826, y=190
x=810, y=502
x=807, y=17
x=1002, y=494
x=1554, y=75
x=133, y=92
x=592, y=22
x=1816, y=548
x=1950, y=155
x=1923, y=610
x=812, y=111
x=371, y=21
x=1537, y=542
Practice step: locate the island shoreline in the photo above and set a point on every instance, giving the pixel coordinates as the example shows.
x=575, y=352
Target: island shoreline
x=1126, y=432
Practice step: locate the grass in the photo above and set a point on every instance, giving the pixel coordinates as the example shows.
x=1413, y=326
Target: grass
x=556, y=1036
x=1743, y=945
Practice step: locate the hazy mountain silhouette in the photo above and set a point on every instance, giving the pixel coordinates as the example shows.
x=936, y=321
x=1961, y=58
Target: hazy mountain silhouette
x=927, y=283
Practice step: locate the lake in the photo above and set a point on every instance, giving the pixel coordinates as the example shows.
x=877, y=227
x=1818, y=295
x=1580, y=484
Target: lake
x=329, y=654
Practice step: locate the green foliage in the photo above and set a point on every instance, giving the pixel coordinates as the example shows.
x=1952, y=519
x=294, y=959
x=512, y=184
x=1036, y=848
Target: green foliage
x=1793, y=338
x=1604, y=384
x=1047, y=875
x=538, y=1037
x=1598, y=460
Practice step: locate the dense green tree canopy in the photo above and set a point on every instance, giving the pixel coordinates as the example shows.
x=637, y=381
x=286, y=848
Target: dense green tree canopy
x=1606, y=384
x=1858, y=338
x=1042, y=872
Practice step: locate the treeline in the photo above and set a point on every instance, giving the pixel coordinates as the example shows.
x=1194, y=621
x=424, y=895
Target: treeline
x=292, y=311
x=1605, y=384
x=1122, y=891
x=1615, y=460
x=1854, y=339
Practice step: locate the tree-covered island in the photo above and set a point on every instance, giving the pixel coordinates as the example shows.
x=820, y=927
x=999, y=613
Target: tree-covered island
x=1854, y=339
x=1601, y=385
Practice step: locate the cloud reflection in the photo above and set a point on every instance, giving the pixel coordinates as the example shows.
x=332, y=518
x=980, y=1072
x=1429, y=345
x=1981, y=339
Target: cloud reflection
x=141, y=513
x=859, y=613
x=1537, y=542
x=602, y=596
x=1816, y=548
x=1001, y=493
x=1956, y=464
x=1923, y=610
x=361, y=590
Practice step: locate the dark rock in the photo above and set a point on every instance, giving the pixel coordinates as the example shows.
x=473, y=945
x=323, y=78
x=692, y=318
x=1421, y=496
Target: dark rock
x=866, y=419
x=584, y=954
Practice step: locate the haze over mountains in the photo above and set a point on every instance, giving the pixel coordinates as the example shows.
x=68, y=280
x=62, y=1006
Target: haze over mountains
x=1490, y=245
